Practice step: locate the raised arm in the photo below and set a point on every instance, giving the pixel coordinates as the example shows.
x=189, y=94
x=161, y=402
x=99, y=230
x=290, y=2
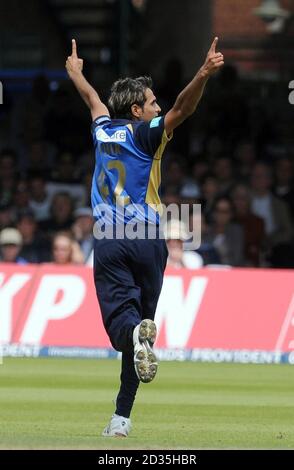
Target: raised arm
x=188, y=99
x=74, y=67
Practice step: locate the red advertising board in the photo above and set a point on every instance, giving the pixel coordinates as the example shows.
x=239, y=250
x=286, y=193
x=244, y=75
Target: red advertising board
x=227, y=309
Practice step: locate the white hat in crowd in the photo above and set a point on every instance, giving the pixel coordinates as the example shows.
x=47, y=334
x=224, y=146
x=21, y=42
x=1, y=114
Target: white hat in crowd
x=10, y=236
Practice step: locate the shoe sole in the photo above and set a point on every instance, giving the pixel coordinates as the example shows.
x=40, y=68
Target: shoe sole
x=147, y=331
x=145, y=361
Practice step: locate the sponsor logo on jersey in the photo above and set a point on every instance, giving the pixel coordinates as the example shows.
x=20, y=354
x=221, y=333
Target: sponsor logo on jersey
x=155, y=122
x=118, y=136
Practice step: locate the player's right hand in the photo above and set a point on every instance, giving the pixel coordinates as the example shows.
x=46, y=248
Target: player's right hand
x=214, y=60
x=73, y=63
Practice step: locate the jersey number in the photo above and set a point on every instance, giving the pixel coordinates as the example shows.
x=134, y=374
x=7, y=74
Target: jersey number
x=118, y=198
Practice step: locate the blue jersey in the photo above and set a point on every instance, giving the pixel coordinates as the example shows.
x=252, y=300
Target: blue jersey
x=127, y=174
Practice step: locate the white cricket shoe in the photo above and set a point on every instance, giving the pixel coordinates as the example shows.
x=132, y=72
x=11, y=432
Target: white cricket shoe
x=118, y=426
x=145, y=361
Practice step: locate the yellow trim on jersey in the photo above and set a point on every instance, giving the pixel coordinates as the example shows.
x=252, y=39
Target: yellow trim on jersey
x=152, y=196
x=164, y=140
x=130, y=127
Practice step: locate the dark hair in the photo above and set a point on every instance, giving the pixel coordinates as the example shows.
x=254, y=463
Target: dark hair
x=124, y=93
x=64, y=195
x=25, y=214
x=36, y=175
x=8, y=152
x=223, y=198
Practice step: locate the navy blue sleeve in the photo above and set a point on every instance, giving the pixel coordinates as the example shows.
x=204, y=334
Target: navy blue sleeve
x=98, y=121
x=148, y=135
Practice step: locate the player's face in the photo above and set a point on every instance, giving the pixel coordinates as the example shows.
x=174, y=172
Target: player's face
x=150, y=109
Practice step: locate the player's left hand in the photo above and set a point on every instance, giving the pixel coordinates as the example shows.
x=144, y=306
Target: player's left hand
x=74, y=64
x=214, y=60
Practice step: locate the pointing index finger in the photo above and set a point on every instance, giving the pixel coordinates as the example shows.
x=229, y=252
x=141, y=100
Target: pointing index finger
x=213, y=45
x=74, y=47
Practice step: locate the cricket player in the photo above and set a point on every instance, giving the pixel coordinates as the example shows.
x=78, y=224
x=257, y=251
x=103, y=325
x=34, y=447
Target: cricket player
x=129, y=137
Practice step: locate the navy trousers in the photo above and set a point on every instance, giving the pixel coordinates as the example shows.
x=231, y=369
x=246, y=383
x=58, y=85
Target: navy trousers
x=128, y=278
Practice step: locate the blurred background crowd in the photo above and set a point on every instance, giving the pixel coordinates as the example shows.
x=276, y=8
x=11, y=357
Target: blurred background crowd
x=235, y=157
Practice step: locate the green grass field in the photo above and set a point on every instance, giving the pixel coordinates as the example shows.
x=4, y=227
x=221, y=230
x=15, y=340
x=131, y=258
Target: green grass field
x=64, y=404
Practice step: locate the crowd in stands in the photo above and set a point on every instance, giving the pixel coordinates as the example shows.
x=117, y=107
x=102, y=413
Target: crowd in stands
x=232, y=158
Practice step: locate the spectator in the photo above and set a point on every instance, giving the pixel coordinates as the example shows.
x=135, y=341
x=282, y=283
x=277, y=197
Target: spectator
x=175, y=175
x=223, y=171
x=61, y=214
x=210, y=189
x=49, y=142
x=10, y=246
x=40, y=156
x=83, y=230
x=226, y=236
x=77, y=192
x=65, y=172
x=284, y=182
x=245, y=155
x=66, y=250
x=6, y=216
x=8, y=164
x=8, y=174
x=275, y=213
x=200, y=169
x=176, y=234
x=40, y=199
x=253, y=226
x=21, y=196
x=35, y=248
x=198, y=222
